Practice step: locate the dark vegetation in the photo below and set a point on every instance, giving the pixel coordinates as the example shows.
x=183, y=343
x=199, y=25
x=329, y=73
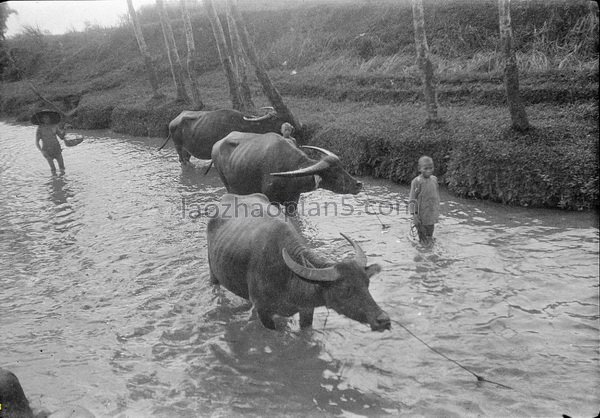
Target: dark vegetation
x=348, y=71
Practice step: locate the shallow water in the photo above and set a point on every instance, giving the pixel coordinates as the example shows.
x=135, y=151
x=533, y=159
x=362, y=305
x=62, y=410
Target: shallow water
x=105, y=299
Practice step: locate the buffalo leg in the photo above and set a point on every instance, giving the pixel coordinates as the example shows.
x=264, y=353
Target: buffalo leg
x=184, y=156
x=306, y=317
x=266, y=318
x=291, y=207
x=213, y=279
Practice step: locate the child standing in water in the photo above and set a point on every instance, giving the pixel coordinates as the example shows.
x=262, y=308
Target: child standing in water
x=47, y=132
x=424, y=200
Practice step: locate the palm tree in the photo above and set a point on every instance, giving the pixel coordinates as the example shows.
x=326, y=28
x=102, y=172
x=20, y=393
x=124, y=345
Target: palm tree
x=139, y=36
x=424, y=61
x=217, y=29
x=268, y=88
x=172, y=54
x=192, y=59
x=511, y=72
x=239, y=61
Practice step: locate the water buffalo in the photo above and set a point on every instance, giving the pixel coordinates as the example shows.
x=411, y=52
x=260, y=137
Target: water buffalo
x=14, y=403
x=254, y=253
x=267, y=163
x=195, y=132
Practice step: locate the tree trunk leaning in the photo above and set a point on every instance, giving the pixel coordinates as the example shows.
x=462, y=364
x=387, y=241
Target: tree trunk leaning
x=172, y=54
x=139, y=36
x=268, y=87
x=241, y=67
x=192, y=59
x=511, y=72
x=424, y=62
x=223, y=55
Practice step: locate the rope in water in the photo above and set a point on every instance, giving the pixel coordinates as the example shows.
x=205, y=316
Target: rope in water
x=383, y=226
x=413, y=233
x=479, y=378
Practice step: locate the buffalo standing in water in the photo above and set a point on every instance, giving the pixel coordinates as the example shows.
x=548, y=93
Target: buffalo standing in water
x=268, y=164
x=14, y=403
x=254, y=253
x=195, y=132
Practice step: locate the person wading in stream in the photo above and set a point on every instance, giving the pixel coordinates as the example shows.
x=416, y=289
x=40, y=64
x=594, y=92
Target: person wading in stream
x=47, y=132
x=424, y=200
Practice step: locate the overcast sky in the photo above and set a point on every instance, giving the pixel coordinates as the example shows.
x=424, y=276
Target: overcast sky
x=62, y=16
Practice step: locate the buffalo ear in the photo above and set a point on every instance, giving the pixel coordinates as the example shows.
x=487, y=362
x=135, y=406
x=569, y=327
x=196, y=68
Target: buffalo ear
x=372, y=270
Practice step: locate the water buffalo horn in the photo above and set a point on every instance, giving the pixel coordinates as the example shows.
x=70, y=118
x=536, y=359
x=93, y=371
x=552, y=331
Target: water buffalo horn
x=258, y=118
x=327, y=274
x=324, y=151
x=307, y=171
x=360, y=256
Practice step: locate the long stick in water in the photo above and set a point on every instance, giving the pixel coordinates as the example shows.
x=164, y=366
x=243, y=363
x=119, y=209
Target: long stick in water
x=479, y=378
x=38, y=94
x=36, y=91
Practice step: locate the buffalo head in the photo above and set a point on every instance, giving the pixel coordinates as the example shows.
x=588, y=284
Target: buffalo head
x=329, y=168
x=346, y=287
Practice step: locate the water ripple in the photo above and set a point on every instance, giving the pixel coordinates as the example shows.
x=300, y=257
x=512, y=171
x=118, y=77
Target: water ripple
x=105, y=286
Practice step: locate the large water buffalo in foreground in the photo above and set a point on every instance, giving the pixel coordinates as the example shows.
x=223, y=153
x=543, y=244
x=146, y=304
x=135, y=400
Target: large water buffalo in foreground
x=267, y=163
x=195, y=132
x=14, y=403
x=254, y=253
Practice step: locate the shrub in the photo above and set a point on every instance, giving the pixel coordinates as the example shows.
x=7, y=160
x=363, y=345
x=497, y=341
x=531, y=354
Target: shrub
x=399, y=162
x=93, y=116
x=543, y=168
x=26, y=52
x=393, y=158
x=151, y=119
x=350, y=147
x=365, y=46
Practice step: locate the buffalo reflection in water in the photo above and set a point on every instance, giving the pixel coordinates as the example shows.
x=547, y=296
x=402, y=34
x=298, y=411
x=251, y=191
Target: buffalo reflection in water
x=291, y=366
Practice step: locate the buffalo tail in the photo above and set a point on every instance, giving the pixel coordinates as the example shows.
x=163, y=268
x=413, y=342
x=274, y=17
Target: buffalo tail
x=165, y=143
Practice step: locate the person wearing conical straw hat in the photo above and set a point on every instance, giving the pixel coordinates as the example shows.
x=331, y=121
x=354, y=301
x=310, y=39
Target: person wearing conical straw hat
x=48, y=129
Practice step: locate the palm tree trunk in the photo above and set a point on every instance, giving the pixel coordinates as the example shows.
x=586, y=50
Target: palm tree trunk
x=223, y=54
x=268, y=88
x=424, y=62
x=172, y=54
x=192, y=59
x=241, y=67
x=511, y=71
x=139, y=36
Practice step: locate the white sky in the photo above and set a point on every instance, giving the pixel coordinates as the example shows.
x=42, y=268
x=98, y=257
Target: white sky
x=62, y=16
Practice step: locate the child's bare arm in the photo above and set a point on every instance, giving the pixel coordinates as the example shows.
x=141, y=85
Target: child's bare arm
x=412, y=197
x=38, y=136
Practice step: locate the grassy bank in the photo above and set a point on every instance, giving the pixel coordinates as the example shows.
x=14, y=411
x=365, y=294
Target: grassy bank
x=347, y=71
x=476, y=155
